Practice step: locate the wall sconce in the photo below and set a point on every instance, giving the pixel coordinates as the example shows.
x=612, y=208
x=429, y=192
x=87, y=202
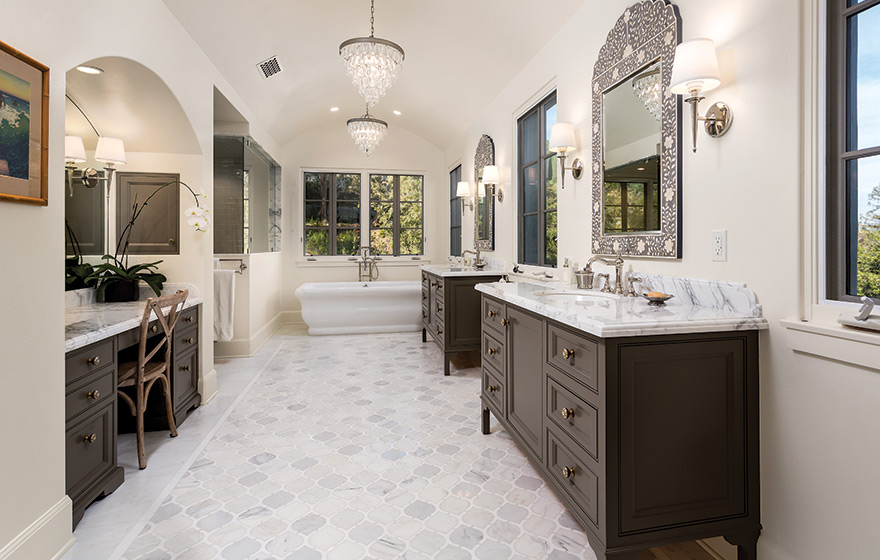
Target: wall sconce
x=562, y=141
x=463, y=192
x=110, y=151
x=490, y=178
x=695, y=71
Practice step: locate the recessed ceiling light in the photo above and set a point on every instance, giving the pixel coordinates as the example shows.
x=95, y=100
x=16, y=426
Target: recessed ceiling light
x=89, y=69
x=397, y=113
x=640, y=168
x=334, y=109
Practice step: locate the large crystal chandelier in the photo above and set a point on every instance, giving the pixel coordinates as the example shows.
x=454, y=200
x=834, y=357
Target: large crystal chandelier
x=367, y=132
x=647, y=88
x=372, y=64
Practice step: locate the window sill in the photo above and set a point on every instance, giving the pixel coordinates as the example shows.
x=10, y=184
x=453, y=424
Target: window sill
x=833, y=341
x=334, y=262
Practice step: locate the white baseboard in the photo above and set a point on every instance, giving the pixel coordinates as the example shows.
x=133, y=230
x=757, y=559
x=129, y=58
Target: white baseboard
x=50, y=536
x=208, y=387
x=247, y=347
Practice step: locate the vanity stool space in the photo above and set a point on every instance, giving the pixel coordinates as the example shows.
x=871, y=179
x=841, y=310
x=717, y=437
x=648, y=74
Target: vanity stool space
x=648, y=439
x=451, y=308
x=96, y=335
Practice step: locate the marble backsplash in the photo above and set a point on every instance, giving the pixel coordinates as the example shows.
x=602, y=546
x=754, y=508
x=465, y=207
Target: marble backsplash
x=87, y=296
x=714, y=294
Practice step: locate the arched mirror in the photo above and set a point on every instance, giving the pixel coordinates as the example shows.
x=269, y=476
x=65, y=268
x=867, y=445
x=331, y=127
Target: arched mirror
x=484, y=218
x=636, y=144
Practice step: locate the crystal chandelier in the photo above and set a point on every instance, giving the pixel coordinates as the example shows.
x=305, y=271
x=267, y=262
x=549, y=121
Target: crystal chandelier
x=372, y=64
x=647, y=88
x=367, y=132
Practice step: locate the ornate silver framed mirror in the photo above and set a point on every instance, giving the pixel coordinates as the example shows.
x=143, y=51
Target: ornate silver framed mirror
x=484, y=216
x=636, y=136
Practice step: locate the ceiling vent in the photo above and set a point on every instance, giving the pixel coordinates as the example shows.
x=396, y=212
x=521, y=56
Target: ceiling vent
x=269, y=67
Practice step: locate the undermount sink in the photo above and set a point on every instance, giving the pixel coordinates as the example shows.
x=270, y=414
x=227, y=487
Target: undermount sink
x=559, y=295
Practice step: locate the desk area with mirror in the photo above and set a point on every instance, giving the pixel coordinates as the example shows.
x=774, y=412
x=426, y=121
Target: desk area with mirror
x=98, y=336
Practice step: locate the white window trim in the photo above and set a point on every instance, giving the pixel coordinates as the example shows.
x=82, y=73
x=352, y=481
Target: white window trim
x=333, y=261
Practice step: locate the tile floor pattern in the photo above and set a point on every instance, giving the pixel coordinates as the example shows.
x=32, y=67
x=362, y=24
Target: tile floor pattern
x=357, y=447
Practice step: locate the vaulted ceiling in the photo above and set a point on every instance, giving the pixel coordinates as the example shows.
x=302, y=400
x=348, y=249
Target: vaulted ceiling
x=459, y=55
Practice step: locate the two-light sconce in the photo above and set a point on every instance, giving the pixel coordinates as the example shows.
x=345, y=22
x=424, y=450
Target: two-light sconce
x=694, y=72
x=110, y=152
x=490, y=179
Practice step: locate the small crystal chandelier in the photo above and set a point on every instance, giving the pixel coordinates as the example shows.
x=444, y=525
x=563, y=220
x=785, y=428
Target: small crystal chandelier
x=367, y=132
x=647, y=88
x=372, y=64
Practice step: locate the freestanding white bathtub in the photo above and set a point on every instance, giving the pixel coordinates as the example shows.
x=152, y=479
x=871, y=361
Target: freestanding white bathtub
x=361, y=307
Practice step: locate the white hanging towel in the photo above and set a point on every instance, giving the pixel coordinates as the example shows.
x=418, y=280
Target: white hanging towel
x=224, y=304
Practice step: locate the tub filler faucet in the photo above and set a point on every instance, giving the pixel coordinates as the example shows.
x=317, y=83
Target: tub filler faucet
x=368, y=270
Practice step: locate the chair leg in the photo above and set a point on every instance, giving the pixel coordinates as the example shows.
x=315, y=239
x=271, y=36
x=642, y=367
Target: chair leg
x=166, y=389
x=141, y=404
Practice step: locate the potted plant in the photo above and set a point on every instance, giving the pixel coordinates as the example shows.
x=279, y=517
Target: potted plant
x=116, y=280
x=76, y=272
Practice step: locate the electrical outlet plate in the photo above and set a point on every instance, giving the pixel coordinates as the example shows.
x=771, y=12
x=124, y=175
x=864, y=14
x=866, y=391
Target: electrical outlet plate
x=719, y=245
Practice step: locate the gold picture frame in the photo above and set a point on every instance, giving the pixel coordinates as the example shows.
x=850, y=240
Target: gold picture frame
x=24, y=131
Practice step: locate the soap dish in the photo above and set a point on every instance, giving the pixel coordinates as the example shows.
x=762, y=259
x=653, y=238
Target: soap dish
x=657, y=300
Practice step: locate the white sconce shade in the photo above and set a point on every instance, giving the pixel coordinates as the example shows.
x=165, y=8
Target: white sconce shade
x=481, y=190
x=695, y=67
x=562, y=137
x=110, y=150
x=74, y=151
x=490, y=175
x=463, y=190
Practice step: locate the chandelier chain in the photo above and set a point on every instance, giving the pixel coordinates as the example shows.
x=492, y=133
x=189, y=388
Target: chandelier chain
x=372, y=17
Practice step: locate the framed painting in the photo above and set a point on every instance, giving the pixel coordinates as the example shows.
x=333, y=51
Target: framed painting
x=24, y=128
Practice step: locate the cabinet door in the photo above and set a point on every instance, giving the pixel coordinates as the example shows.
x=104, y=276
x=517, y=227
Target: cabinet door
x=525, y=377
x=156, y=231
x=682, y=433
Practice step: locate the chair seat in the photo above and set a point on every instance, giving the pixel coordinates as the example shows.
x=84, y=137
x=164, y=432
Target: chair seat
x=127, y=378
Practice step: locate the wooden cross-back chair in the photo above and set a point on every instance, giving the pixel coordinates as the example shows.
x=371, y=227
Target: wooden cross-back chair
x=144, y=373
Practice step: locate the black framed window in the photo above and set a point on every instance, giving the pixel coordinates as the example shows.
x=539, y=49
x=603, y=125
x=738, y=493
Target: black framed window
x=537, y=172
x=853, y=158
x=454, y=213
x=396, y=214
x=332, y=217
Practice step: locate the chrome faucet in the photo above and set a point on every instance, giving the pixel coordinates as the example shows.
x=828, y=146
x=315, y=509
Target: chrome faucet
x=479, y=263
x=367, y=268
x=618, y=271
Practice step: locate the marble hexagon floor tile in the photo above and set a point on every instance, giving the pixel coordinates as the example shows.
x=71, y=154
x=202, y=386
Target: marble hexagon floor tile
x=351, y=447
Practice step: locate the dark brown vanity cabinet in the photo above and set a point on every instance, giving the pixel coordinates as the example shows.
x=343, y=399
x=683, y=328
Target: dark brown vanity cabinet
x=649, y=440
x=451, y=312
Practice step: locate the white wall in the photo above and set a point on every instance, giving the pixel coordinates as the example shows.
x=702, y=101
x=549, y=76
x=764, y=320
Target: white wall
x=819, y=453
x=333, y=149
x=34, y=511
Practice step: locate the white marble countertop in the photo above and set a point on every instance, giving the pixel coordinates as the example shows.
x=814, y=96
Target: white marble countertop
x=609, y=316
x=449, y=270
x=90, y=322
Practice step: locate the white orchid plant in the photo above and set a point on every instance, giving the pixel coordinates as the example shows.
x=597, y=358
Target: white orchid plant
x=198, y=217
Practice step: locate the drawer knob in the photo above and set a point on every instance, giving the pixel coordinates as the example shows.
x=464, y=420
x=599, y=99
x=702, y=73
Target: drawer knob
x=91, y=438
x=424, y=315
x=95, y=360
x=154, y=328
x=568, y=472
x=491, y=388
x=567, y=354
x=185, y=368
x=491, y=314
x=491, y=351
x=424, y=297
x=439, y=307
x=567, y=413
x=439, y=331
x=189, y=319
x=433, y=284
x=505, y=322
x=189, y=340
x=93, y=395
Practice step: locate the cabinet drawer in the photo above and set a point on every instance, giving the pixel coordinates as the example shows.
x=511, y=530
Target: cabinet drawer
x=494, y=315
x=576, y=418
x=90, y=392
x=188, y=318
x=573, y=354
x=90, y=449
x=493, y=352
x=493, y=389
x=185, y=377
x=185, y=340
x=571, y=472
x=89, y=359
